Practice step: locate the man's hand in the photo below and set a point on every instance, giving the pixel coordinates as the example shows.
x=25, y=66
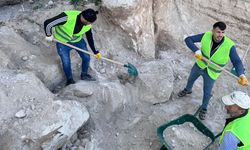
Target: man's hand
x=243, y=80
x=49, y=38
x=98, y=56
x=198, y=54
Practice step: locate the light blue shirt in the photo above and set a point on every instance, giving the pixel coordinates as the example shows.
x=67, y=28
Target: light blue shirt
x=230, y=142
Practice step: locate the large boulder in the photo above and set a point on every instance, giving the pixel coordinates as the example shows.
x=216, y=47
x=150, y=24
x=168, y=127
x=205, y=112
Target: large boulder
x=106, y=97
x=157, y=81
x=30, y=118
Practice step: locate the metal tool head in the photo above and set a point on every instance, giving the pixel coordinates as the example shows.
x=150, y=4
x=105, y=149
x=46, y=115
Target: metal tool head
x=132, y=71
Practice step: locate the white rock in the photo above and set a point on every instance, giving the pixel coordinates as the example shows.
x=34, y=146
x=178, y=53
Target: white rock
x=23, y=137
x=89, y=146
x=50, y=3
x=32, y=56
x=103, y=70
x=25, y=58
x=32, y=107
x=31, y=1
x=20, y=114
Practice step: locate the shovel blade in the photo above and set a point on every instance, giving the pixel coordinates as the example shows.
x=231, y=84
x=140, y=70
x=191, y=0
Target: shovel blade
x=132, y=71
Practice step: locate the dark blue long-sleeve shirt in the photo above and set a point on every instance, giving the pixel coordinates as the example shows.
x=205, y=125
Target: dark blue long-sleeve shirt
x=234, y=57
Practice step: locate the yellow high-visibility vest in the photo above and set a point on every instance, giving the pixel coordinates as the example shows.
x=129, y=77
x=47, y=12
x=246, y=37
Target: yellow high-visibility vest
x=240, y=127
x=65, y=32
x=220, y=57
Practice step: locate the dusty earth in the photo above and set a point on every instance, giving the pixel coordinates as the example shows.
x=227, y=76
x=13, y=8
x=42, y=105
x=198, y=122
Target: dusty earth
x=111, y=114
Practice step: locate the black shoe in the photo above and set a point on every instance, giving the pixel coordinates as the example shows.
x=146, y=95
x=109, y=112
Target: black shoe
x=202, y=114
x=184, y=93
x=70, y=81
x=87, y=77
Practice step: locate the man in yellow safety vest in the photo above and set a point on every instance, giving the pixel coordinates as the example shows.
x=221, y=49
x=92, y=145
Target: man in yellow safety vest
x=69, y=27
x=236, y=133
x=218, y=48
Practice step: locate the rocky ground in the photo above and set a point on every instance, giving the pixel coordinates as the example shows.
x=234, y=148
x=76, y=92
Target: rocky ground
x=38, y=111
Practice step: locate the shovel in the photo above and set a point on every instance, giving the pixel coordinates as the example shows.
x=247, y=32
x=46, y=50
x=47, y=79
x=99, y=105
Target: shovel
x=223, y=69
x=132, y=71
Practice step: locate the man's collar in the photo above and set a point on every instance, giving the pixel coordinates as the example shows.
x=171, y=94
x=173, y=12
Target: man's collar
x=228, y=120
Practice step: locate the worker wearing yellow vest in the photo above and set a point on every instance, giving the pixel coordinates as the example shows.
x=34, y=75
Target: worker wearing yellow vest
x=69, y=27
x=218, y=48
x=236, y=133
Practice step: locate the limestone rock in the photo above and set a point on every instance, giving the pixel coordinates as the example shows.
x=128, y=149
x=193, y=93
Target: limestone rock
x=41, y=122
x=157, y=81
x=20, y=114
x=135, y=18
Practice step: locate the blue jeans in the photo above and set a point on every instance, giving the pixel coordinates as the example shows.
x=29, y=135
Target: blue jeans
x=208, y=83
x=64, y=53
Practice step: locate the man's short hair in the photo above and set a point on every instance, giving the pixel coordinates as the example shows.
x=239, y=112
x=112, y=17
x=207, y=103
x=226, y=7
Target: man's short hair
x=89, y=15
x=221, y=25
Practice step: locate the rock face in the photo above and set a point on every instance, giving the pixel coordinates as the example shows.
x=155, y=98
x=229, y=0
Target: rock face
x=182, y=18
x=17, y=53
x=29, y=116
x=135, y=19
x=162, y=24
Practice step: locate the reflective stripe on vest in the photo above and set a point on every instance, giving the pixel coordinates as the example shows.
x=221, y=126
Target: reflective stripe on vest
x=65, y=32
x=220, y=57
x=240, y=127
x=208, y=66
x=59, y=31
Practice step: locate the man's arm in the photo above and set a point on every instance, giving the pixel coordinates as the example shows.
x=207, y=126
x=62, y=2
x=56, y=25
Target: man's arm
x=57, y=20
x=237, y=63
x=230, y=142
x=91, y=41
x=190, y=40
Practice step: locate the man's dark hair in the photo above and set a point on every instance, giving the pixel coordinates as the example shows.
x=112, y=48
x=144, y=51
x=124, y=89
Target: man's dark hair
x=89, y=15
x=220, y=25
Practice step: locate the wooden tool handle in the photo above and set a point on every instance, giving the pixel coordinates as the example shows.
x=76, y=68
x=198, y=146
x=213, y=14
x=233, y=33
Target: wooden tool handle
x=223, y=69
x=84, y=51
